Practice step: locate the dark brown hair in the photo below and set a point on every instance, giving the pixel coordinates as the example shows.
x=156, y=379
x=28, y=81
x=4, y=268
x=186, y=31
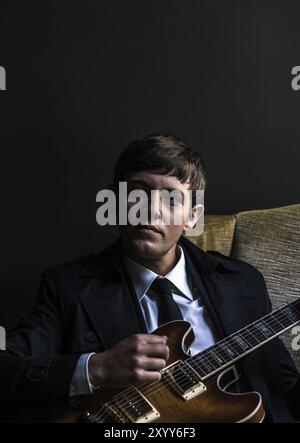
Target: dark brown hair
x=162, y=154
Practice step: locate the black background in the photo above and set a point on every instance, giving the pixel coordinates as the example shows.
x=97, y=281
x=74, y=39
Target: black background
x=86, y=78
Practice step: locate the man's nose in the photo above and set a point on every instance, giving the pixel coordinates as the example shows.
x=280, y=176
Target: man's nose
x=155, y=205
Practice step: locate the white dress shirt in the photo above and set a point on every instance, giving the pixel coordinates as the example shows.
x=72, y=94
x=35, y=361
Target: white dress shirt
x=191, y=308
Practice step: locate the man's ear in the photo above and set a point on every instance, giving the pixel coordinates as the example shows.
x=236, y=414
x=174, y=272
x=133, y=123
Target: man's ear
x=196, y=212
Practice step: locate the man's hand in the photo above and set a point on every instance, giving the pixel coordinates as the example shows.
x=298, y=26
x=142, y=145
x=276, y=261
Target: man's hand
x=134, y=360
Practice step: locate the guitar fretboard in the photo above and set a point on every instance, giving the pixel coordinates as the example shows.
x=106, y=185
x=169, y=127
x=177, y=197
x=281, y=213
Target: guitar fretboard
x=246, y=340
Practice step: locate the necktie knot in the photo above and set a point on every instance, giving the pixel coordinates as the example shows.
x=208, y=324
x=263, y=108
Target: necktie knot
x=161, y=286
x=168, y=309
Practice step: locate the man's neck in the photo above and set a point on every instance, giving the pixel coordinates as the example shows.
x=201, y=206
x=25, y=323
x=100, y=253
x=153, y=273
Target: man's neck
x=161, y=266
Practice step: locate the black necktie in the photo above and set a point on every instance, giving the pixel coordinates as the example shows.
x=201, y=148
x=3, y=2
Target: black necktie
x=168, y=309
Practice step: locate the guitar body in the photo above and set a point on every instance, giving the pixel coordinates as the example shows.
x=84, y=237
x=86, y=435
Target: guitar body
x=163, y=402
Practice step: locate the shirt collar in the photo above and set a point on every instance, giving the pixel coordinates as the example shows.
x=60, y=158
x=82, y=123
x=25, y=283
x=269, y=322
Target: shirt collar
x=143, y=277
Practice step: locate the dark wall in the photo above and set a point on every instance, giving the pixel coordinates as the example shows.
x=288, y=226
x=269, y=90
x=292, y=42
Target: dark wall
x=85, y=78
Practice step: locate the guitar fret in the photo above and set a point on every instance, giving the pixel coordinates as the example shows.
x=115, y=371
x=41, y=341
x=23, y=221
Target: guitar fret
x=291, y=313
x=258, y=333
x=228, y=350
x=251, y=338
x=239, y=344
x=268, y=325
x=218, y=356
x=212, y=360
x=199, y=367
x=279, y=323
x=276, y=325
x=244, y=341
x=287, y=317
x=223, y=354
x=206, y=368
x=264, y=329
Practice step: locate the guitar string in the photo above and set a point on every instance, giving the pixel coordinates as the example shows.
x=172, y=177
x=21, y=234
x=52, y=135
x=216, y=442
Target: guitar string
x=207, y=358
x=103, y=413
x=226, y=339
x=126, y=402
x=269, y=317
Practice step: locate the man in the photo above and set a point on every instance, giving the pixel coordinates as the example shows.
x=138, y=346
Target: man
x=93, y=318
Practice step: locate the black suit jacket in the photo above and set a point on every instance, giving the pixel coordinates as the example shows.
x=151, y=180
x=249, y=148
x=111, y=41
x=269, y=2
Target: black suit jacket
x=89, y=305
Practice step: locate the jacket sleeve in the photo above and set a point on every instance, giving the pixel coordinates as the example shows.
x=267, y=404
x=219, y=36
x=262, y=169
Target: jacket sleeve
x=45, y=371
x=9, y=366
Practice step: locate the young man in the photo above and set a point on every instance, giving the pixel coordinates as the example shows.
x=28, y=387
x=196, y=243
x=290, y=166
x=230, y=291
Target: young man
x=92, y=322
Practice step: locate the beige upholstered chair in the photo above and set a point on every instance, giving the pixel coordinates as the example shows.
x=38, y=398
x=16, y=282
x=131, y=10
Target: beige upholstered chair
x=268, y=239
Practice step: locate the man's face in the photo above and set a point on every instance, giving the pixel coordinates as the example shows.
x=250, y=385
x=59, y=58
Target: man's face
x=142, y=242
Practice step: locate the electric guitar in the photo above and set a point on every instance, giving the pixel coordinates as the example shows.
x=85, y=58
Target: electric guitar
x=191, y=389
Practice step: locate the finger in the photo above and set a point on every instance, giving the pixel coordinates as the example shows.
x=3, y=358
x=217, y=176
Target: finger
x=153, y=338
x=148, y=338
x=153, y=364
x=157, y=350
x=149, y=376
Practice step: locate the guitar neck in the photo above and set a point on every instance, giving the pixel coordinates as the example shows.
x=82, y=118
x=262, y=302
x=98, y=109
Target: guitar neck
x=240, y=343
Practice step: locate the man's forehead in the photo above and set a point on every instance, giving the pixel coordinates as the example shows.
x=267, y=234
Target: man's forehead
x=156, y=181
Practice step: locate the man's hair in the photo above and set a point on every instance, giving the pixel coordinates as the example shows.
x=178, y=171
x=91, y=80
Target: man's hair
x=162, y=154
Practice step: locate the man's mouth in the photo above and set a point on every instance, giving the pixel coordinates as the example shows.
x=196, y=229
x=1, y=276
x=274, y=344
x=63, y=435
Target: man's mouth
x=149, y=228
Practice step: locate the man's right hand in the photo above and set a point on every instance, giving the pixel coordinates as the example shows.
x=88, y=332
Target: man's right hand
x=134, y=360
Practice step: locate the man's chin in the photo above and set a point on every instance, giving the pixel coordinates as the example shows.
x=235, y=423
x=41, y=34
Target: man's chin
x=139, y=246
x=146, y=248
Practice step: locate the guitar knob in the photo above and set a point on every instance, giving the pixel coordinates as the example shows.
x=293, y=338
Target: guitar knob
x=87, y=417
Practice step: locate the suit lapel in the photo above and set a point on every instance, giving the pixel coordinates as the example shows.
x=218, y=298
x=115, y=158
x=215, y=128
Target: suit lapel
x=111, y=303
x=111, y=312
x=203, y=288
x=220, y=292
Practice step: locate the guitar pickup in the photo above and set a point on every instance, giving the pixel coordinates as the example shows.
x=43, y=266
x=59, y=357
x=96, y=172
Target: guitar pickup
x=132, y=408
x=183, y=379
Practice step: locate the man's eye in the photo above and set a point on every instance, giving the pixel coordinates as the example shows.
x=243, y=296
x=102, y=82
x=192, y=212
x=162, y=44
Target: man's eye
x=172, y=201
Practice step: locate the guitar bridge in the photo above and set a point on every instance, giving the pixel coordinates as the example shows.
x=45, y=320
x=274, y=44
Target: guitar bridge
x=131, y=407
x=184, y=379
